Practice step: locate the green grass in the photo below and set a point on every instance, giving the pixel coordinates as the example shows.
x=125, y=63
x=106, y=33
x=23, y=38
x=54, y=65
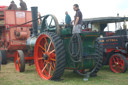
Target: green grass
x=8, y=76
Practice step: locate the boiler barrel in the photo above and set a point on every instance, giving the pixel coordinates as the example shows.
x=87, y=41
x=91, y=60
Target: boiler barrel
x=30, y=43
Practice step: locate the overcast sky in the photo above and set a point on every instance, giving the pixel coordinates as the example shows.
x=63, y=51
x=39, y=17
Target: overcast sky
x=90, y=8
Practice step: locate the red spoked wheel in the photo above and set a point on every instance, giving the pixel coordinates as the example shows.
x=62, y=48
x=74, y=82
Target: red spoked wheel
x=118, y=63
x=19, y=61
x=49, y=56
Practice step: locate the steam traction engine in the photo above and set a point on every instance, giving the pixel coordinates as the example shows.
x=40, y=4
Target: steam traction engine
x=55, y=49
x=115, y=43
x=13, y=35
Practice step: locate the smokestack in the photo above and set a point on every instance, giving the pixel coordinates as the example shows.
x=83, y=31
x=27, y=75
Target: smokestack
x=34, y=11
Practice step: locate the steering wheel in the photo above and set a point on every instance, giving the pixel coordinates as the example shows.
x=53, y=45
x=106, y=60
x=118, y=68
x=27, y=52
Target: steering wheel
x=50, y=23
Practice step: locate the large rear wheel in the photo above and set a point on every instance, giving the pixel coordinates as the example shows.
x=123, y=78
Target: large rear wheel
x=98, y=59
x=49, y=56
x=19, y=61
x=118, y=63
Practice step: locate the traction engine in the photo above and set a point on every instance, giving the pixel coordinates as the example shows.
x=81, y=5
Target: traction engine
x=55, y=48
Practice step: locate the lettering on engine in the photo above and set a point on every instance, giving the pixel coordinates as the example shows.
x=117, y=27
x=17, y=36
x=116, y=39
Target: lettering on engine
x=109, y=40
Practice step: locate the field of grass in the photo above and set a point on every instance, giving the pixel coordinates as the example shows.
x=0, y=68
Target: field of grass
x=8, y=76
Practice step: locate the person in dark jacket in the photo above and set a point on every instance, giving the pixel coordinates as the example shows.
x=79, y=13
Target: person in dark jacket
x=23, y=5
x=67, y=18
x=77, y=19
x=12, y=6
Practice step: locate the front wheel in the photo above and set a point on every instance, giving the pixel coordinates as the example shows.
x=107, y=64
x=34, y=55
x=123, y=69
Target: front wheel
x=49, y=56
x=118, y=63
x=19, y=61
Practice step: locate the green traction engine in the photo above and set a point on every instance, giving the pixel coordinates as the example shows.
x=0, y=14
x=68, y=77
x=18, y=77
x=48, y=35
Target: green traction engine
x=55, y=49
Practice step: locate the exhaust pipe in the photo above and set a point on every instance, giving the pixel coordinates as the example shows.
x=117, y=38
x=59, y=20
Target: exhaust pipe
x=34, y=11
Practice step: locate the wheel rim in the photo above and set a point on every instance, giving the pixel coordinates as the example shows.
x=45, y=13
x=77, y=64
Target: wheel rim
x=116, y=64
x=45, y=57
x=17, y=62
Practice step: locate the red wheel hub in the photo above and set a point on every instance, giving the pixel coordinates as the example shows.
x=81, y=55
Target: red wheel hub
x=17, y=62
x=116, y=64
x=45, y=57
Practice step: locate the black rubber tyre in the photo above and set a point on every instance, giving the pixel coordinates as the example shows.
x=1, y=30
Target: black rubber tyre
x=19, y=54
x=99, y=52
x=3, y=55
x=60, y=55
x=122, y=63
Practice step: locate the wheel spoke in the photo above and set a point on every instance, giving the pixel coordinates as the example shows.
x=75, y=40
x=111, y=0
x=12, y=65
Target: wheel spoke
x=52, y=59
x=50, y=71
x=53, y=55
x=42, y=47
x=46, y=71
x=114, y=60
x=121, y=67
x=117, y=59
x=50, y=22
x=42, y=52
x=44, y=67
x=52, y=66
x=49, y=46
x=45, y=47
x=121, y=64
x=52, y=51
x=46, y=41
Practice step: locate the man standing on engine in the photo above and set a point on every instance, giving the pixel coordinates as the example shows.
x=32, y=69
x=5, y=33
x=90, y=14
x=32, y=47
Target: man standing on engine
x=23, y=5
x=77, y=19
x=67, y=19
x=12, y=6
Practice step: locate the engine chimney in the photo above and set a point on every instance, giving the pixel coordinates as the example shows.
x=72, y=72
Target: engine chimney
x=34, y=11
